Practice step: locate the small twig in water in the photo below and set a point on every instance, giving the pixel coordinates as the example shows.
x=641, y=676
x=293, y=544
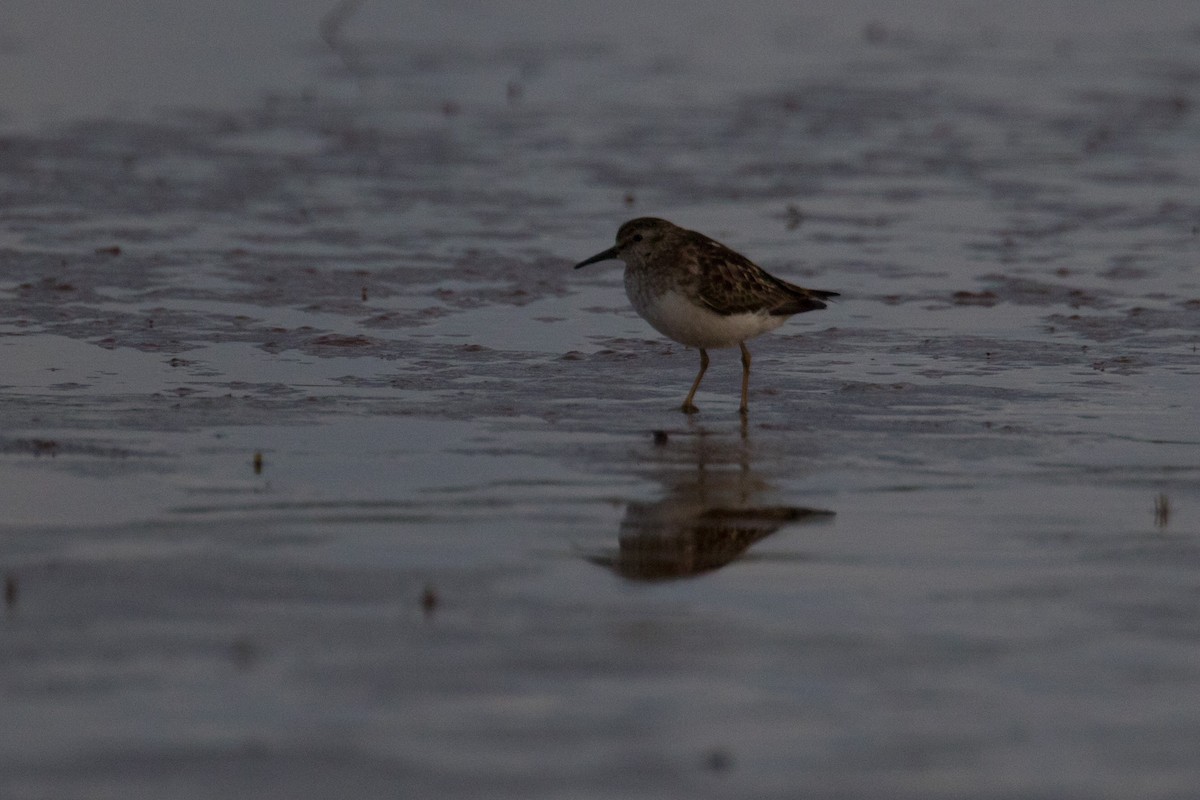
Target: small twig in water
x=1162, y=510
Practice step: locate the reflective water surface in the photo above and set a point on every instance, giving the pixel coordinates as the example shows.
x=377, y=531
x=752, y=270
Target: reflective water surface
x=323, y=474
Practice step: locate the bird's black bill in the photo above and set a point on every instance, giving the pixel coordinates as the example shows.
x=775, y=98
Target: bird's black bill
x=607, y=255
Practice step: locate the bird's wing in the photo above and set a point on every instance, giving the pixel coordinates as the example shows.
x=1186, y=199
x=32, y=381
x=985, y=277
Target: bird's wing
x=729, y=283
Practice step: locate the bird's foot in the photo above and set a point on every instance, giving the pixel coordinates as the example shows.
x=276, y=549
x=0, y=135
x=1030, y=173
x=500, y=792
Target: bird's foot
x=689, y=408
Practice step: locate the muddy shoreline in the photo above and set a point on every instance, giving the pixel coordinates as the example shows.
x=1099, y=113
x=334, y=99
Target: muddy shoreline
x=321, y=472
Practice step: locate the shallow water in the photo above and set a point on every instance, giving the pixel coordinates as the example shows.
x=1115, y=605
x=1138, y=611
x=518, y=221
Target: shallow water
x=321, y=472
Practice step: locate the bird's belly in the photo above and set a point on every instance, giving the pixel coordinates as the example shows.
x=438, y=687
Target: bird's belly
x=674, y=316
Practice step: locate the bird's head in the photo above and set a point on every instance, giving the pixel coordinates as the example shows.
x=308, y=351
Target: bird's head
x=636, y=240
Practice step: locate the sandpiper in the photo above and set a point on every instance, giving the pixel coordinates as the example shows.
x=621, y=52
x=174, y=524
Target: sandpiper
x=700, y=293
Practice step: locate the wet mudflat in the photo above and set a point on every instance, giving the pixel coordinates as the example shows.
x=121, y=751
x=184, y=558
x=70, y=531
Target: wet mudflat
x=322, y=473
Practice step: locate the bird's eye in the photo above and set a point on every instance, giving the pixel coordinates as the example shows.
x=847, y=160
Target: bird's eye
x=637, y=237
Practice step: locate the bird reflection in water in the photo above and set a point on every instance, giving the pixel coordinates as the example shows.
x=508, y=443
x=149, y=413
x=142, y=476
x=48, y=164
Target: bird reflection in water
x=707, y=517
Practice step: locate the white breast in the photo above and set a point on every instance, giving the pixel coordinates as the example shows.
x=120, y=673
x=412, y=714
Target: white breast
x=673, y=315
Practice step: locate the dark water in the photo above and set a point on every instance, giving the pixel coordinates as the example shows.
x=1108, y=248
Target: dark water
x=953, y=553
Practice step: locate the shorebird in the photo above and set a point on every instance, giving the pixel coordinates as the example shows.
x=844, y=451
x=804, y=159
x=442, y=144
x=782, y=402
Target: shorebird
x=697, y=291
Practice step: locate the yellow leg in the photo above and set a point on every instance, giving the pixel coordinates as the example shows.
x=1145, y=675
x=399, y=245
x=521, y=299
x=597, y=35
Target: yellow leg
x=745, y=409
x=688, y=406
